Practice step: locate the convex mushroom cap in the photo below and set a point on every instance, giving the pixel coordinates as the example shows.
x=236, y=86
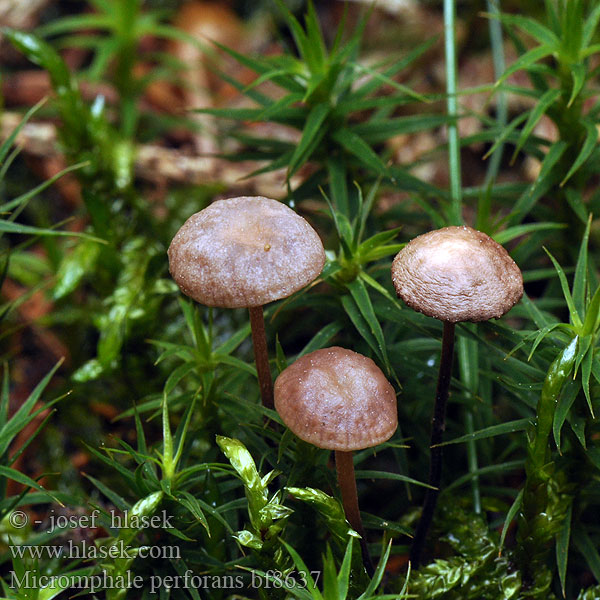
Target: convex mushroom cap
x=337, y=399
x=245, y=252
x=457, y=274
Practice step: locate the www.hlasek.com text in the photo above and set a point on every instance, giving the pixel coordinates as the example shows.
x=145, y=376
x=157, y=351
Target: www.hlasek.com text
x=87, y=550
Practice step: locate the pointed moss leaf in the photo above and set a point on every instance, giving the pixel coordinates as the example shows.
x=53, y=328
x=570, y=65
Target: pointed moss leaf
x=322, y=337
x=596, y=368
x=589, y=551
x=300, y=38
x=355, y=145
x=545, y=180
x=542, y=334
x=127, y=302
x=4, y=399
x=25, y=412
x=581, y=275
x=535, y=314
x=510, y=515
x=507, y=235
x=411, y=183
x=23, y=479
x=589, y=144
x=360, y=323
x=586, y=371
x=562, y=547
x=578, y=75
x=495, y=469
x=314, y=38
x=343, y=578
x=272, y=112
x=590, y=593
x=7, y=144
x=280, y=358
x=366, y=206
x=274, y=108
x=274, y=512
x=578, y=428
x=312, y=134
x=363, y=301
x=236, y=114
x=74, y=267
x=505, y=134
x=374, y=83
x=90, y=370
x=75, y=23
x=493, y=431
x=563, y=406
x=594, y=456
x=537, y=112
x=590, y=25
x=258, y=65
x=234, y=341
x=388, y=475
x=244, y=465
x=300, y=565
x=379, y=130
x=59, y=584
x=236, y=363
x=248, y=539
x=583, y=346
x=10, y=227
x=329, y=508
x=384, y=79
x=378, y=575
x=330, y=580
x=574, y=315
x=24, y=198
x=74, y=112
x=526, y=60
x=572, y=18
x=376, y=241
x=575, y=200
x=343, y=228
x=379, y=288
x=338, y=186
x=529, y=25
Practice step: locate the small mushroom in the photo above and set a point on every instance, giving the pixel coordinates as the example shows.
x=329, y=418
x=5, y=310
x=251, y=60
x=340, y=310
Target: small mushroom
x=453, y=274
x=339, y=400
x=246, y=252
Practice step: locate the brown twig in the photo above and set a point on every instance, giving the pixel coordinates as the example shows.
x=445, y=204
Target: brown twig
x=155, y=163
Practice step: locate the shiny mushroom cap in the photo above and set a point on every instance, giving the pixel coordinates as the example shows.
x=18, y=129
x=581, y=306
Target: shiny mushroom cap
x=457, y=274
x=337, y=399
x=245, y=252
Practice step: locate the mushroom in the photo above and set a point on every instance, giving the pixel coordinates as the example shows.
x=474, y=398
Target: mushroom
x=246, y=252
x=339, y=400
x=453, y=274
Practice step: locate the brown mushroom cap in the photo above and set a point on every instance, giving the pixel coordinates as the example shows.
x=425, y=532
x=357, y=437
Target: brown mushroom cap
x=457, y=274
x=337, y=399
x=245, y=252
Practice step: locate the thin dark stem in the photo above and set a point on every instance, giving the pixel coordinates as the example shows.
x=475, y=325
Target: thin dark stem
x=438, y=425
x=261, y=355
x=347, y=482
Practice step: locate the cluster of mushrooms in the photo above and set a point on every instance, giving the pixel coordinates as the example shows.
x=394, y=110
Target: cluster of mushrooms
x=249, y=251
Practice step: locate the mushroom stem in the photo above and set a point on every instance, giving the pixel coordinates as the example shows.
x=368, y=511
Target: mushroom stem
x=261, y=355
x=347, y=482
x=438, y=426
